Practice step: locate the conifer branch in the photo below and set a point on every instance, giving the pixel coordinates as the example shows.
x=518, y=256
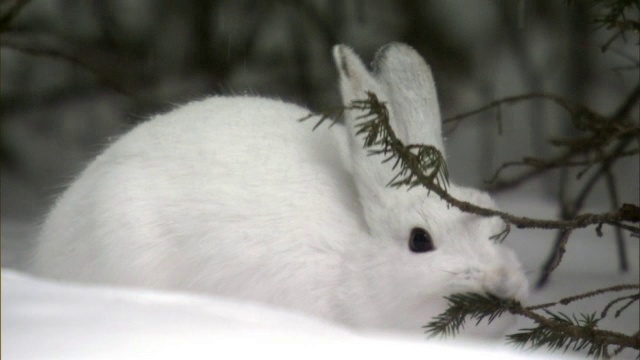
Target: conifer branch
x=614, y=16
x=560, y=331
x=418, y=164
x=460, y=306
x=568, y=300
x=424, y=165
x=556, y=330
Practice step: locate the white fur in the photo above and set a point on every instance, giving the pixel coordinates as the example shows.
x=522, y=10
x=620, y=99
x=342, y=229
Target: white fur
x=233, y=196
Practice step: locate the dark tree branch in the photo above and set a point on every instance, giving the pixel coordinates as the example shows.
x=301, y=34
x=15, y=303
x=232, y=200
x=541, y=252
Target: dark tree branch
x=562, y=161
x=571, y=210
x=627, y=105
x=559, y=248
x=376, y=128
x=556, y=330
x=12, y=13
x=106, y=77
x=582, y=117
x=615, y=203
x=570, y=299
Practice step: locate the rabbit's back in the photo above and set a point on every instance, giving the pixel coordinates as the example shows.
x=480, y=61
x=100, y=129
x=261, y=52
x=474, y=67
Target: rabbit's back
x=216, y=196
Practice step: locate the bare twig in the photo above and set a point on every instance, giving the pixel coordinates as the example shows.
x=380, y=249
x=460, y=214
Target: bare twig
x=557, y=162
x=582, y=117
x=12, y=13
x=572, y=209
x=627, y=105
x=510, y=100
x=570, y=299
x=630, y=300
x=555, y=258
x=615, y=203
x=102, y=75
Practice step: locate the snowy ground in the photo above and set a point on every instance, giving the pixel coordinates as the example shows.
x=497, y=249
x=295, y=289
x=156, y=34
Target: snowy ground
x=43, y=319
x=49, y=320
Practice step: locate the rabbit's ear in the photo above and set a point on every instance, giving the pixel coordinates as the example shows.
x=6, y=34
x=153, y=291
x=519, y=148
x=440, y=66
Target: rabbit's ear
x=355, y=82
x=407, y=80
x=371, y=174
x=355, y=79
x=403, y=81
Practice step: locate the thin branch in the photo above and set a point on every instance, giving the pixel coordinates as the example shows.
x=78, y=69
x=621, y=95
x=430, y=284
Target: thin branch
x=627, y=105
x=375, y=126
x=620, y=348
x=570, y=299
x=560, y=101
x=54, y=53
x=631, y=299
x=582, y=117
x=555, y=258
x=572, y=211
x=556, y=331
x=615, y=203
x=12, y=13
x=595, y=336
x=579, y=221
x=558, y=162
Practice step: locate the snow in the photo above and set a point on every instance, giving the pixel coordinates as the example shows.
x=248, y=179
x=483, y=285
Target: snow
x=47, y=319
x=44, y=319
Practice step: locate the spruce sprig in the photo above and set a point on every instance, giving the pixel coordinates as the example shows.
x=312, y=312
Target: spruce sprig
x=460, y=306
x=559, y=331
x=554, y=330
x=418, y=164
x=424, y=165
x=582, y=336
x=374, y=125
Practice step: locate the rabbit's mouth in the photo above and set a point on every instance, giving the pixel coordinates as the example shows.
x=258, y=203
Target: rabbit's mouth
x=504, y=282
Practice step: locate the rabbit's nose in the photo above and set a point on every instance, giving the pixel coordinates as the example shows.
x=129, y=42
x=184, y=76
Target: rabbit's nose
x=506, y=283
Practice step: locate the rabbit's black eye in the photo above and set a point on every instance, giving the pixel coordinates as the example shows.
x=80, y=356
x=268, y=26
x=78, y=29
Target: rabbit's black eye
x=420, y=241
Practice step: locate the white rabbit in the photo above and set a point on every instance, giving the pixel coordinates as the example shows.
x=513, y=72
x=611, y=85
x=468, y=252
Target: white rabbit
x=234, y=196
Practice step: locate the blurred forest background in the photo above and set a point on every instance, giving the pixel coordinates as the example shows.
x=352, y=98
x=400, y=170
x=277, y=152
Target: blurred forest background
x=76, y=74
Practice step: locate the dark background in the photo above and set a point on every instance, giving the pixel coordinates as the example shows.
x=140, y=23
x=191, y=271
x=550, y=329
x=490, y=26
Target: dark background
x=75, y=74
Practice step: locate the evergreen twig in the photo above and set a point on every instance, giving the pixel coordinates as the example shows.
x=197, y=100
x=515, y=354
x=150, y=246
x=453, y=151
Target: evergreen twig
x=556, y=330
x=424, y=165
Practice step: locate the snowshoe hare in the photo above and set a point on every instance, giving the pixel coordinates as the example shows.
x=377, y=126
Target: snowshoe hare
x=234, y=196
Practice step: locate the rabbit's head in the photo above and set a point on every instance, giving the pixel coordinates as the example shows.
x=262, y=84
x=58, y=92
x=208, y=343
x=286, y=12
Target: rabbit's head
x=436, y=249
